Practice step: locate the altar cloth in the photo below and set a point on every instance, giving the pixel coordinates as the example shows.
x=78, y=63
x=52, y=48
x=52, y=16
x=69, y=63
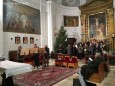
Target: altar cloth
x=14, y=68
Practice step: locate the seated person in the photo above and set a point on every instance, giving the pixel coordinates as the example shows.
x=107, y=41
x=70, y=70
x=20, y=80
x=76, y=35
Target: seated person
x=81, y=81
x=91, y=67
x=46, y=59
x=35, y=46
x=19, y=57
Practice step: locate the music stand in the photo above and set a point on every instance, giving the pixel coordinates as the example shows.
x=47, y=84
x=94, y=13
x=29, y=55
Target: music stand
x=24, y=52
x=42, y=51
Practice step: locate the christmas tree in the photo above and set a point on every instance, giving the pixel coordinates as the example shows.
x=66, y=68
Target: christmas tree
x=61, y=39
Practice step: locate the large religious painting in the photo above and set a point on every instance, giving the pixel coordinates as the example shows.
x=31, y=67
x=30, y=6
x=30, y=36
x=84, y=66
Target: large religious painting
x=71, y=21
x=97, y=26
x=20, y=18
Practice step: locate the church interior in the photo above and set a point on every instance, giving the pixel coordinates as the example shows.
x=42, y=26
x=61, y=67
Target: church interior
x=57, y=42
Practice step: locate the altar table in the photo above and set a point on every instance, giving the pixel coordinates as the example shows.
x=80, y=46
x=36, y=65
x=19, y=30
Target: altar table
x=10, y=68
x=13, y=68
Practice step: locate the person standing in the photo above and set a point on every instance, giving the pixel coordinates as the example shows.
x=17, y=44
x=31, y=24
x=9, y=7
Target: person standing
x=36, y=57
x=85, y=49
x=60, y=50
x=46, y=59
x=69, y=49
x=74, y=51
x=80, y=52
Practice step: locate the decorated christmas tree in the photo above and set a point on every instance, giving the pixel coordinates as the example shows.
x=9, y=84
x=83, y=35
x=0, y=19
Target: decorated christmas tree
x=61, y=39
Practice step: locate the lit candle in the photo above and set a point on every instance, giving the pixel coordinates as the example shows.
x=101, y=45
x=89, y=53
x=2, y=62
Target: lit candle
x=113, y=35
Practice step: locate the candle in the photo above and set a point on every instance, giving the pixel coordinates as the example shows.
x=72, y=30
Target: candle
x=113, y=35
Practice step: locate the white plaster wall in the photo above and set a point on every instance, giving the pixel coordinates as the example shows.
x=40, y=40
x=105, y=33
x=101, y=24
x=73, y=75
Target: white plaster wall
x=114, y=3
x=44, y=30
x=114, y=14
x=54, y=9
x=44, y=23
x=1, y=28
x=54, y=28
x=82, y=2
x=59, y=11
x=58, y=1
x=10, y=44
x=73, y=32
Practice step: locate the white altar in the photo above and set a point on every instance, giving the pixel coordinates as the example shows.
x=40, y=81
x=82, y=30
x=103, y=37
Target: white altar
x=13, y=68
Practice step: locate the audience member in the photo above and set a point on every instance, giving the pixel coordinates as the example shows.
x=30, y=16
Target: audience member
x=69, y=49
x=75, y=44
x=60, y=50
x=85, y=48
x=80, y=52
x=36, y=57
x=19, y=50
x=90, y=49
x=19, y=57
x=35, y=46
x=74, y=51
x=52, y=55
x=46, y=59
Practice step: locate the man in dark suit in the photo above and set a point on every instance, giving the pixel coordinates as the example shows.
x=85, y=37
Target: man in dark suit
x=46, y=56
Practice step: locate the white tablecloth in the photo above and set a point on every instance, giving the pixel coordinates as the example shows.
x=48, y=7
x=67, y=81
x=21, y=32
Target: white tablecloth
x=13, y=68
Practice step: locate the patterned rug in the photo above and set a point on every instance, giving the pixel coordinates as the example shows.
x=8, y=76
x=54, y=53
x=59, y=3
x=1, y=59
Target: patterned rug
x=43, y=77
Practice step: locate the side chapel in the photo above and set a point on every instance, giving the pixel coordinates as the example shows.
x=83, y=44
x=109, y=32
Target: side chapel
x=97, y=20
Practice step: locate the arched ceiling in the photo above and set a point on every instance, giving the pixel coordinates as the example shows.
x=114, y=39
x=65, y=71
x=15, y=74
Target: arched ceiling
x=69, y=3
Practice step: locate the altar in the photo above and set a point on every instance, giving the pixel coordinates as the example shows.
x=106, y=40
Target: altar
x=13, y=68
x=10, y=69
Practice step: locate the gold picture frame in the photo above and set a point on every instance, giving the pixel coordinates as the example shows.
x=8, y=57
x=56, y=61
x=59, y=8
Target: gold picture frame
x=17, y=40
x=25, y=40
x=97, y=26
x=31, y=40
x=71, y=21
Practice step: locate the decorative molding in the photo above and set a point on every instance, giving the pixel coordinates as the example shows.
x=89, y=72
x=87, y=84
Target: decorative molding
x=94, y=7
x=71, y=2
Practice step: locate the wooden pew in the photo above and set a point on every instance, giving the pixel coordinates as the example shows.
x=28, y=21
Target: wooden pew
x=99, y=75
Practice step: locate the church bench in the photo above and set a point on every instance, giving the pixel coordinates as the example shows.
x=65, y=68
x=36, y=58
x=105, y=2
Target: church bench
x=99, y=75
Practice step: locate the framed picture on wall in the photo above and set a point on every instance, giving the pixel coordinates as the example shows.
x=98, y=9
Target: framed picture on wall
x=31, y=40
x=25, y=40
x=21, y=21
x=17, y=40
x=71, y=21
x=97, y=26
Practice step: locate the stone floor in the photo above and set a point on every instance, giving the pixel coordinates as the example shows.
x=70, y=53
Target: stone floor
x=108, y=81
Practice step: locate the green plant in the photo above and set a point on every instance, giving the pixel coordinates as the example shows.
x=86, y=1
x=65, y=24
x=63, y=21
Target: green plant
x=61, y=39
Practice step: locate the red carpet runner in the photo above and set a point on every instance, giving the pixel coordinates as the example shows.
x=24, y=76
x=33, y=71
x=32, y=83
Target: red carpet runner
x=43, y=77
